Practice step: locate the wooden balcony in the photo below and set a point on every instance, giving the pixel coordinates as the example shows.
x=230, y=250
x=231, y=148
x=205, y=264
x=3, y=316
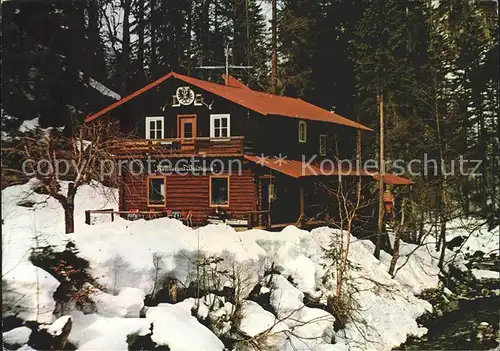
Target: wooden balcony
x=176, y=147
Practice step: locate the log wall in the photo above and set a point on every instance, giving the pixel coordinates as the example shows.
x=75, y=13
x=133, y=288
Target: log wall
x=191, y=193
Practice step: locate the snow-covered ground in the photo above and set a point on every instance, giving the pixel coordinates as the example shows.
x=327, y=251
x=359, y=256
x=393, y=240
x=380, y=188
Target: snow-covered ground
x=477, y=238
x=130, y=258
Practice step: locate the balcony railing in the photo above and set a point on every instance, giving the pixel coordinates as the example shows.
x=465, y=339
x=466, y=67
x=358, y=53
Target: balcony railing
x=134, y=148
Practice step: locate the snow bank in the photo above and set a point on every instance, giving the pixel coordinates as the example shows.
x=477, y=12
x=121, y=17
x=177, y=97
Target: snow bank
x=313, y=325
x=127, y=304
x=386, y=308
x=256, y=320
x=28, y=290
x=417, y=266
x=94, y=332
x=175, y=327
x=131, y=258
x=478, y=238
x=16, y=337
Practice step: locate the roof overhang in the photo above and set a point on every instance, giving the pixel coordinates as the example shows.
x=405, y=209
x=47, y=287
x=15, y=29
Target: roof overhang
x=298, y=169
x=393, y=179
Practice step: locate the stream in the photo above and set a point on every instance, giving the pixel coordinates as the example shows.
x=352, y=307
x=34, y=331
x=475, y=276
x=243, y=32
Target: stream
x=458, y=329
x=472, y=325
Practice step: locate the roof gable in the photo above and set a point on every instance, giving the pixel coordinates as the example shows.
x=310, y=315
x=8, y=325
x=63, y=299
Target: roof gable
x=237, y=92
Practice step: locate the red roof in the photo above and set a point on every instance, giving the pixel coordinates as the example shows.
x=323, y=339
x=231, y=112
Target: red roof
x=297, y=169
x=237, y=92
x=393, y=179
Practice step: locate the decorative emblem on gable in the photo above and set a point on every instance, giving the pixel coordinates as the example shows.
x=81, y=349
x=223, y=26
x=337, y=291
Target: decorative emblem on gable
x=185, y=95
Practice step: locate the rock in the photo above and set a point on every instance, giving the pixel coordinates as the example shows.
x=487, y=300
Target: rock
x=455, y=242
x=16, y=337
x=484, y=323
x=53, y=336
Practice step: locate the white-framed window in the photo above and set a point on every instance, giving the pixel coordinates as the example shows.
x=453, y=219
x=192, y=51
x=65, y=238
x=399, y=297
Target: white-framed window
x=302, y=132
x=220, y=126
x=322, y=144
x=154, y=127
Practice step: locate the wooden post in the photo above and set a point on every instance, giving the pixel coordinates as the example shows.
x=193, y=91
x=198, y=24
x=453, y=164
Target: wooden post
x=112, y=214
x=269, y=219
x=358, y=162
x=380, y=222
x=87, y=217
x=302, y=205
x=249, y=220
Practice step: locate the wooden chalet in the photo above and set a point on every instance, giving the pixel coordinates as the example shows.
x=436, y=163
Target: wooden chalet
x=226, y=152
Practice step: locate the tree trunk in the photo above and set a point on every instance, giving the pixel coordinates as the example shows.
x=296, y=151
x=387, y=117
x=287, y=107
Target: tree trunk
x=69, y=209
x=421, y=226
x=124, y=61
x=443, y=204
x=397, y=236
x=140, y=47
x=189, y=38
x=395, y=254
x=152, y=28
x=380, y=223
x=95, y=54
x=178, y=38
x=358, y=163
x=247, y=25
x=274, y=53
x=69, y=220
x=442, y=235
x=345, y=255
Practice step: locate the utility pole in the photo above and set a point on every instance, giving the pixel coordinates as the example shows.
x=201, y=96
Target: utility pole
x=248, y=32
x=226, y=67
x=274, y=54
x=380, y=223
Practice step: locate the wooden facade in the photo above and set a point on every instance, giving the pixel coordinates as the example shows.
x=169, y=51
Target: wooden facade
x=188, y=192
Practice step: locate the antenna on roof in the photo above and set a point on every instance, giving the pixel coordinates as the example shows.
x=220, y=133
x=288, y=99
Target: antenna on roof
x=227, y=66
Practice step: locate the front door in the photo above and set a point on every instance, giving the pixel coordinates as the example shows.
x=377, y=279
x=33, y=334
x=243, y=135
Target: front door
x=186, y=130
x=267, y=198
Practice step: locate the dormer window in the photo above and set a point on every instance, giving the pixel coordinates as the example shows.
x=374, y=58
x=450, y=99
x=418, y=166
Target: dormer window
x=220, y=126
x=302, y=132
x=154, y=127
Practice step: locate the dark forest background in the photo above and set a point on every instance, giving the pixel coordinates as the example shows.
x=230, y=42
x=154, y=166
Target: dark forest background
x=434, y=64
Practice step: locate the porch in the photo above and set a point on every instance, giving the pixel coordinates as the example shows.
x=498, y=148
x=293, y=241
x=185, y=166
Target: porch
x=180, y=147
